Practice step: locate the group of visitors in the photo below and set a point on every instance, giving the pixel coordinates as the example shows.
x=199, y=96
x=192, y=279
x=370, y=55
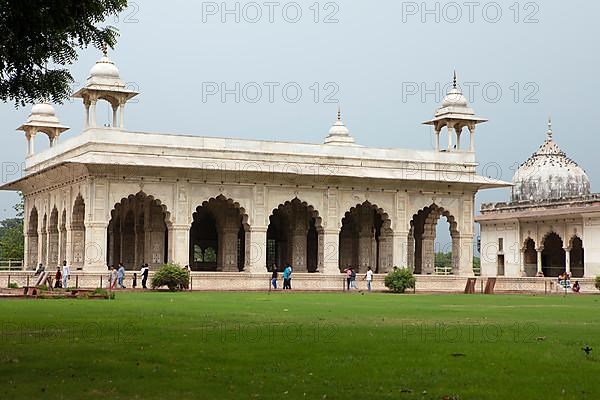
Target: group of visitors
x=116, y=276
x=564, y=280
x=61, y=276
x=351, y=278
x=287, y=277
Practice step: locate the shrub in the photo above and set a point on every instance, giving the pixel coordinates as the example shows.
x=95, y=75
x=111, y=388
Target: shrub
x=13, y=285
x=598, y=282
x=399, y=280
x=172, y=276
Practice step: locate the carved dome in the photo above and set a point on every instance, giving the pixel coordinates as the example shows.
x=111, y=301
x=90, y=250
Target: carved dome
x=549, y=175
x=455, y=98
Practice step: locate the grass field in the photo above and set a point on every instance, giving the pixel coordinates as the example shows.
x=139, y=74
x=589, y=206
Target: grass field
x=301, y=346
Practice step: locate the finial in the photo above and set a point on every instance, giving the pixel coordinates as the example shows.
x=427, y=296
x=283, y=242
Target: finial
x=454, y=79
x=549, y=132
x=339, y=116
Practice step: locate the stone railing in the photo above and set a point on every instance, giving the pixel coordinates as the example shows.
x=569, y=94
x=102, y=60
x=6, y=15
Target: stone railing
x=234, y=281
x=11, y=265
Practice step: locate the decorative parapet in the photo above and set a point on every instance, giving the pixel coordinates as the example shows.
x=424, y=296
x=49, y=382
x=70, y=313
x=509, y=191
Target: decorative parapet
x=552, y=204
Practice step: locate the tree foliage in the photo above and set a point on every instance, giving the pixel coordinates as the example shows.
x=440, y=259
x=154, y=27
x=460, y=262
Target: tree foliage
x=41, y=37
x=399, y=280
x=443, y=260
x=12, y=242
x=172, y=276
x=11, y=239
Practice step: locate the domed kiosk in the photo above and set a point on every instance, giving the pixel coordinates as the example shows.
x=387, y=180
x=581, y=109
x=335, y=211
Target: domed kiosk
x=550, y=226
x=549, y=175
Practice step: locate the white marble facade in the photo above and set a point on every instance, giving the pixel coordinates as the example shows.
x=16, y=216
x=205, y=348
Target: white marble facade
x=219, y=204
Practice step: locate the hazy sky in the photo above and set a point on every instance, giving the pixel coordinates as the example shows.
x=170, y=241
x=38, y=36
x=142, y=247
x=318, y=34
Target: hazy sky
x=382, y=60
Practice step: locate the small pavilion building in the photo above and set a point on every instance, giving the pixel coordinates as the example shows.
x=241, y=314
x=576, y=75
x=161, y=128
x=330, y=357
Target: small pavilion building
x=550, y=226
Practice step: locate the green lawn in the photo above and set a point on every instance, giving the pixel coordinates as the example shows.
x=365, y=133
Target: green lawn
x=301, y=346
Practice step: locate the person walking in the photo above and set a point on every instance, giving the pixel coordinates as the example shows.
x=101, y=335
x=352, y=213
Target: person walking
x=134, y=283
x=144, y=273
x=57, y=278
x=113, y=277
x=288, y=269
x=369, y=278
x=285, y=278
x=274, y=276
x=65, y=275
x=121, y=276
x=352, y=278
x=348, y=272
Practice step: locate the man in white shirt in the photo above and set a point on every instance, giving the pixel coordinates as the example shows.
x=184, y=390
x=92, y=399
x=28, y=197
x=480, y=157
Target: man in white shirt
x=65, y=274
x=369, y=278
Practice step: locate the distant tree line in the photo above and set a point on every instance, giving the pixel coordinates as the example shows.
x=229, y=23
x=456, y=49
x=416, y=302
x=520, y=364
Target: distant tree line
x=12, y=241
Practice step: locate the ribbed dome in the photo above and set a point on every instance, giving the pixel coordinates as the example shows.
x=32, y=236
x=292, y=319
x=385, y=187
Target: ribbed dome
x=549, y=175
x=104, y=68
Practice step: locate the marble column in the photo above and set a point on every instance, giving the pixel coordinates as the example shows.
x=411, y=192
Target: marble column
x=258, y=250
x=179, y=244
x=428, y=254
x=331, y=252
x=568, y=261
x=93, y=113
x=472, y=138
x=92, y=251
x=400, y=251
x=114, y=115
x=539, y=261
x=463, y=246
x=122, y=116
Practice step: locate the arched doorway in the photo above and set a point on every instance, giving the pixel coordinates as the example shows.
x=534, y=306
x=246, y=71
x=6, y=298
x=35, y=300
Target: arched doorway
x=53, y=239
x=293, y=237
x=577, y=258
x=137, y=232
x=553, y=255
x=529, y=258
x=366, y=239
x=422, y=236
x=32, y=239
x=78, y=233
x=218, y=236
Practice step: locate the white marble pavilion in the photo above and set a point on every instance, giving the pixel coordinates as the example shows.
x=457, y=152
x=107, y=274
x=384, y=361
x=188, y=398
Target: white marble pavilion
x=227, y=205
